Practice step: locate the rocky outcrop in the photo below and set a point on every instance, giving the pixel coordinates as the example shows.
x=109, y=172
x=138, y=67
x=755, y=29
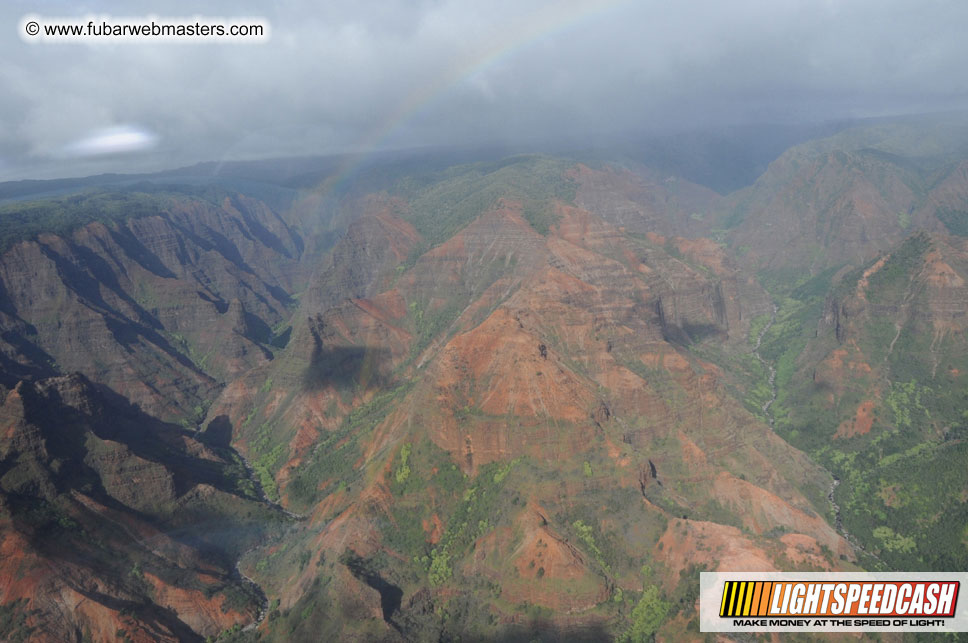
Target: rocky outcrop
x=920, y=282
x=89, y=488
x=162, y=308
x=568, y=352
x=521, y=414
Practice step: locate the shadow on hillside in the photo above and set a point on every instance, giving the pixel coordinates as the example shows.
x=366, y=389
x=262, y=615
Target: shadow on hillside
x=547, y=632
x=390, y=595
x=66, y=416
x=346, y=367
x=218, y=432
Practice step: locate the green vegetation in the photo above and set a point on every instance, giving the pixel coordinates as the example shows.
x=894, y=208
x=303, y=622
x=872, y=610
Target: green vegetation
x=470, y=520
x=784, y=342
x=799, y=308
x=903, y=482
x=441, y=204
x=25, y=220
x=745, y=368
x=605, y=541
x=908, y=506
x=586, y=534
x=403, y=470
x=332, y=461
x=896, y=273
x=439, y=571
x=904, y=399
x=267, y=458
x=800, y=300
x=649, y=613
x=13, y=621
x=892, y=541
x=444, y=203
x=955, y=220
x=430, y=323
x=757, y=324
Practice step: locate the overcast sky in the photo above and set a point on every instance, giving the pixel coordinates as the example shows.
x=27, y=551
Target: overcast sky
x=348, y=75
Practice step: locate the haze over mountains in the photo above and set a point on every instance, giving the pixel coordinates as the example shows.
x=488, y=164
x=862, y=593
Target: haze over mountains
x=351, y=77
x=500, y=398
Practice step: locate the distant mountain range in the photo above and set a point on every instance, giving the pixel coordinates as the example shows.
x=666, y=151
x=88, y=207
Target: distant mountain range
x=494, y=397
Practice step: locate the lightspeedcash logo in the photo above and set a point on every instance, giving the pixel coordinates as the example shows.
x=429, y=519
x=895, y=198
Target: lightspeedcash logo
x=864, y=598
x=829, y=602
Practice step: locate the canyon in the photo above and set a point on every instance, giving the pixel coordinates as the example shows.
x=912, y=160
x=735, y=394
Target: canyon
x=508, y=399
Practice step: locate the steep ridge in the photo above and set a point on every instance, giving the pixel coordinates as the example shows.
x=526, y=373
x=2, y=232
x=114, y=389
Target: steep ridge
x=642, y=200
x=517, y=399
x=115, y=524
x=376, y=241
x=846, y=199
x=827, y=210
x=162, y=307
x=516, y=419
x=877, y=396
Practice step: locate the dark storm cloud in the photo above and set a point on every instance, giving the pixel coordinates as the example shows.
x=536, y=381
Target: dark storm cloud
x=359, y=75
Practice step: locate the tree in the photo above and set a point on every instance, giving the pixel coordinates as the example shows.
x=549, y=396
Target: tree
x=647, y=616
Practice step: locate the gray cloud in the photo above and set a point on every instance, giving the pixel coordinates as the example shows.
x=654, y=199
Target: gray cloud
x=344, y=75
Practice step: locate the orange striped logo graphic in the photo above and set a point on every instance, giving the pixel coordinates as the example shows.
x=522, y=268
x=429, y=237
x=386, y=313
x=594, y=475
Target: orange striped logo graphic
x=746, y=598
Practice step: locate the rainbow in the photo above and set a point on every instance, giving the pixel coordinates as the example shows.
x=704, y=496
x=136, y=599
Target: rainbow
x=551, y=19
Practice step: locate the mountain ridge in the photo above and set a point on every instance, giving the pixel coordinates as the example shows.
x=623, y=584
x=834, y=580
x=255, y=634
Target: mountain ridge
x=508, y=399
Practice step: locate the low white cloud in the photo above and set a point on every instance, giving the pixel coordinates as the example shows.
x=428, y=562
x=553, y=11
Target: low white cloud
x=122, y=139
